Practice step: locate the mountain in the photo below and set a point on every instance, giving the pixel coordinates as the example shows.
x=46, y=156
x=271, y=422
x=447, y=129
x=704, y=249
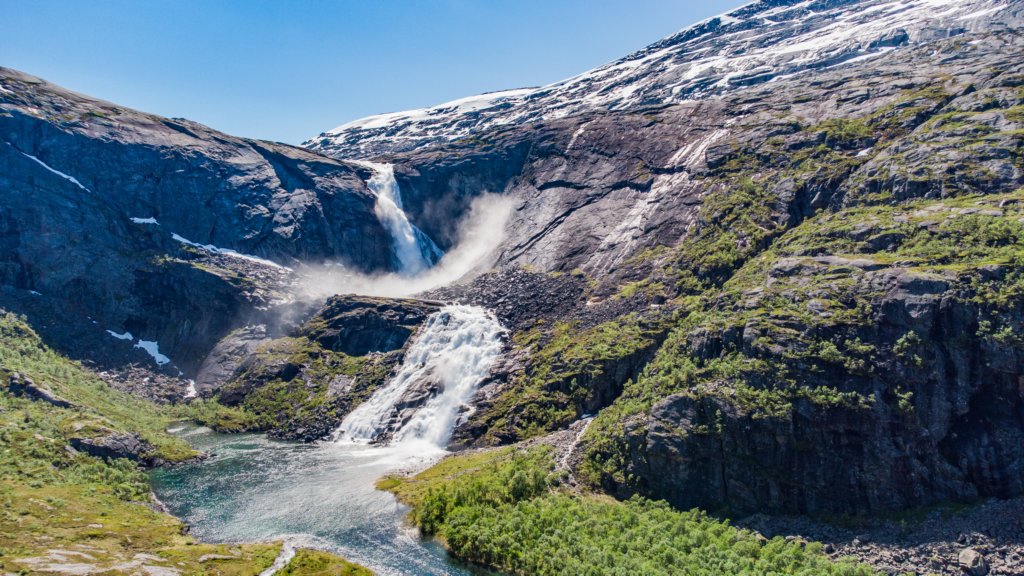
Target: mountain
x=114, y=221
x=771, y=264
x=775, y=252
x=755, y=44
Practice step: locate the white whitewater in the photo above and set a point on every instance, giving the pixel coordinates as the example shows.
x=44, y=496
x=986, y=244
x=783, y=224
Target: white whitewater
x=454, y=349
x=414, y=250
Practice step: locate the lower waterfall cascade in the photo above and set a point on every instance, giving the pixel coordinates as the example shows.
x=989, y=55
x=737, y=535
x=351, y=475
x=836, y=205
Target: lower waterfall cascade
x=454, y=350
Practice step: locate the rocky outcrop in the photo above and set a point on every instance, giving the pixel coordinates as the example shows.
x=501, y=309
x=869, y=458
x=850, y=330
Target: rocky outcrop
x=301, y=384
x=358, y=325
x=116, y=445
x=21, y=385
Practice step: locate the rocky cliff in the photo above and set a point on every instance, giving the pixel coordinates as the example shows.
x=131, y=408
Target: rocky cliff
x=301, y=384
x=796, y=291
x=160, y=230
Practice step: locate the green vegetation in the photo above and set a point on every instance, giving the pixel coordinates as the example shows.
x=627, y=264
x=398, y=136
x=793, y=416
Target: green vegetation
x=505, y=509
x=316, y=563
x=211, y=413
x=288, y=386
x=97, y=406
x=806, y=312
x=567, y=366
x=61, y=507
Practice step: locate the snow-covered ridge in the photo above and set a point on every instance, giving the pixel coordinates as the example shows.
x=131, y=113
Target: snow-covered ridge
x=755, y=43
x=462, y=106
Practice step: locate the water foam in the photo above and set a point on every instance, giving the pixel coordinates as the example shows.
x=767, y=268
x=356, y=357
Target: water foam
x=414, y=250
x=454, y=351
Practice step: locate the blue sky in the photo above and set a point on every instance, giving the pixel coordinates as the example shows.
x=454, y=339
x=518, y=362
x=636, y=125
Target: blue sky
x=288, y=70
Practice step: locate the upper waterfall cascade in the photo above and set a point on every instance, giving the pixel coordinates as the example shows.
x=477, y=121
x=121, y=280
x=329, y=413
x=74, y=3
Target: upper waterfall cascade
x=453, y=351
x=414, y=250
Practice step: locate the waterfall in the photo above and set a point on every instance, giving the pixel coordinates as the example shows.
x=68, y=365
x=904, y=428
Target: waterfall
x=414, y=250
x=452, y=353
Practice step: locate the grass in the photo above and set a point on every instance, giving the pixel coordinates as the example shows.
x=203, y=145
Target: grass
x=59, y=507
x=317, y=563
x=281, y=401
x=566, y=366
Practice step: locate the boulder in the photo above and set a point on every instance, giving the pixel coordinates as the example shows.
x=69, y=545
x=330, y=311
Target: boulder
x=358, y=325
x=972, y=562
x=116, y=445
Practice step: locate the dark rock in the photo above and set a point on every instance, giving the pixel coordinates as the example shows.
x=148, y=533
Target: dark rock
x=228, y=357
x=358, y=325
x=117, y=445
x=85, y=168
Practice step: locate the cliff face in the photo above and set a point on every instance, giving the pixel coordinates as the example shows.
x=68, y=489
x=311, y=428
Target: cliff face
x=158, y=227
x=799, y=296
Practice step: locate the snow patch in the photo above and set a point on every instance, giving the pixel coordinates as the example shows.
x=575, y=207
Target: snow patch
x=150, y=220
x=124, y=336
x=461, y=106
x=191, y=391
x=153, y=348
x=71, y=179
x=981, y=13
x=576, y=135
x=227, y=252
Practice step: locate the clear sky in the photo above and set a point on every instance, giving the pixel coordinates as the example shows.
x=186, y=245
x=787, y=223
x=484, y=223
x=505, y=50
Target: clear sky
x=288, y=70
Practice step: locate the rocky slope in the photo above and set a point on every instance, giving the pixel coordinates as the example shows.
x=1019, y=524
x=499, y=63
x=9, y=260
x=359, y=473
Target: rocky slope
x=160, y=230
x=302, y=384
x=777, y=254
x=795, y=296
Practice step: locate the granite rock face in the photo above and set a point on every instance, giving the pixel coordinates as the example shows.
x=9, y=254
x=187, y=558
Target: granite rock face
x=162, y=228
